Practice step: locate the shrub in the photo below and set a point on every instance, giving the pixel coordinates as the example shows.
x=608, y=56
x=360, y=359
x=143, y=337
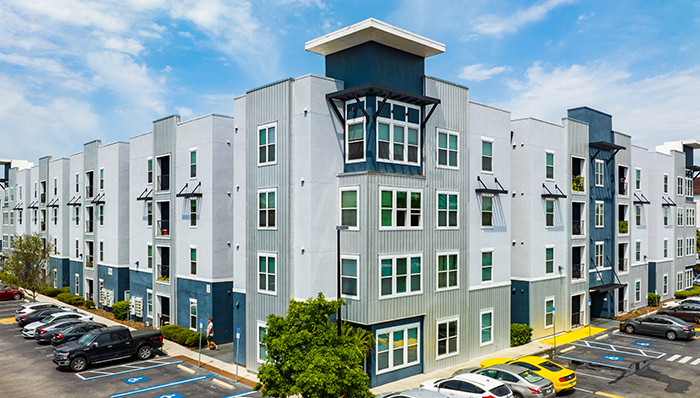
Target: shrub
x=121, y=310
x=180, y=335
x=65, y=289
x=193, y=340
x=520, y=334
x=653, y=299
x=624, y=227
x=76, y=301
x=65, y=297
x=52, y=292
x=681, y=294
x=89, y=304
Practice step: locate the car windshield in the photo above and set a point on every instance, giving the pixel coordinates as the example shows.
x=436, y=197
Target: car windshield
x=66, y=329
x=531, y=377
x=86, y=338
x=47, y=319
x=500, y=391
x=551, y=366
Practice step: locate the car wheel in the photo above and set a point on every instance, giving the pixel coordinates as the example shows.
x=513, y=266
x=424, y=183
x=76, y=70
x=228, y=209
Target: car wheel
x=671, y=335
x=77, y=364
x=517, y=395
x=145, y=352
x=16, y=296
x=629, y=329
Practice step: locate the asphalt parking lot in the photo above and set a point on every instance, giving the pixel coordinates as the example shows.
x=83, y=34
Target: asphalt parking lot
x=27, y=371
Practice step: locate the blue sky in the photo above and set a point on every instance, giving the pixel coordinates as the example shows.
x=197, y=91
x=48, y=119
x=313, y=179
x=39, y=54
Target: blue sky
x=74, y=70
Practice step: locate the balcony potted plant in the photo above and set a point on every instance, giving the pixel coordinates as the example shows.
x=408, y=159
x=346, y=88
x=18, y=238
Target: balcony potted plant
x=577, y=183
x=624, y=227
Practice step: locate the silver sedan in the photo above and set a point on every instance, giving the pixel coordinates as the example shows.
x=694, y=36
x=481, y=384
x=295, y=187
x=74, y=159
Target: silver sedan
x=523, y=382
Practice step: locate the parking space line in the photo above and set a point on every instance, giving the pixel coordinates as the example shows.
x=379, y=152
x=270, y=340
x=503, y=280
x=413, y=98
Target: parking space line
x=605, y=394
x=175, y=383
x=590, y=375
x=618, y=351
x=673, y=357
x=695, y=362
x=127, y=371
x=237, y=394
x=648, y=339
x=593, y=362
x=578, y=389
x=684, y=360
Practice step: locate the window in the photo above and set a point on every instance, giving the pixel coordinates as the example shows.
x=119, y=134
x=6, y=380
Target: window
x=638, y=215
x=688, y=278
x=679, y=185
x=35, y=189
x=665, y=183
x=549, y=212
x=486, y=266
x=689, y=217
x=267, y=273
x=77, y=215
x=486, y=327
x=679, y=281
x=266, y=209
x=348, y=207
x=638, y=179
x=688, y=187
x=486, y=156
x=193, y=314
x=150, y=257
x=19, y=217
x=486, y=211
x=193, y=212
x=400, y=208
x=149, y=213
x=638, y=251
x=102, y=251
x=55, y=216
x=193, y=163
x=262, y=351
x=77, y=285
x=665, y=284
x=447, y=338
x=397, y=143
x=447, y=210
x=679, y=219
x=20, y=192
x=77, y=248
x=637, y=291
x=193, y=261
x=599, y=250
x=150, y=171
x=666, y=248
x=349, y=277
x=549, y=260
x=447, y=149
x=35, y=216
x=599, y=216
x=101, y=214
x=599, y=173
x=149, y=303
x=549, y=166
x=397, y=348
x=102, y=179
x=355, y=142
x=665, y=210
x=400, y=275
x=548, y=312
x=77, y=183
x=447, y=273
x=266, y=145
x=679, y=247
x=689, y=246
x=55, y=186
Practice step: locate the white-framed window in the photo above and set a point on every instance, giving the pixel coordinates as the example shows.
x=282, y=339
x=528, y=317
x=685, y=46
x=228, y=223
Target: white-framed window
x=447, y=149
x=679, y=247
x=486, y=327
x=665, y=183
x=77, y=285
x=398, y=138
x=401, y=208
x=102, y=179
x=349, y=207
x=679, y=186
x=447, y=210
x=193, y=162
x=689, y=246
x=688, y=187
x=638, y=215
x=688, y=277
x=149, y=172
x=55, y=186
x=486, y=210
x=55, y=277
x=665, y=211
x=486, y=265
x=447, y=337
x=599, y=253
x=487, y=155
x=549, y=166
x=549, y=312
x=679, y=219
x=665, y=247
x=447, y=270
x=193, y=260
x=267, y=144
x=150, y=256
x=689, y=216
x=149, y=303
x=193, y=314
x=267, y=273
x=599, y=214
x=149, y=213
x=549, y=260
x=267, y=208
x=549, y=213
x=350, y=268
x=102, y=250
x=664, y=285
x=679, y=281
x=638, y=251
x=19, y=216
x=637, y=291
x=638, y=179
x=77, y=215
x=193, y=212
x=101, y=214
x=20, y=192
x=262, y=350
x=397, y=347
x=599, y=173
x=400, y=275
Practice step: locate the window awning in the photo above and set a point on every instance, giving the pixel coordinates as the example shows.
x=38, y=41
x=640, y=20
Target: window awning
x=74, y=201
x=99, y=199
x=144, y=195
x=53, y=203
x=549, y=193
x=33, y=205
x=641, y=201
x=487, y=190
x=184, y=194
x=605, y=287
x=667, y=202
x=606, y=146
x=18, y=206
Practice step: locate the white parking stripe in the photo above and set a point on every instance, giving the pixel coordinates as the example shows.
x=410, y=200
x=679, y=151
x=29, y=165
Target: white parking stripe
x=684, y=360
x=673, y=358
x=590, y=375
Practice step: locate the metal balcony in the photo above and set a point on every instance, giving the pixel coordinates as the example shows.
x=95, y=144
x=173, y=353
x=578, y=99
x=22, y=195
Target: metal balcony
x=163, y=227
x=577, y=227
x=163, y=182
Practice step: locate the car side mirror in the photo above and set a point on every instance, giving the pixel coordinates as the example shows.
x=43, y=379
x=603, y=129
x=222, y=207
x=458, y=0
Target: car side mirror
x=93, y=344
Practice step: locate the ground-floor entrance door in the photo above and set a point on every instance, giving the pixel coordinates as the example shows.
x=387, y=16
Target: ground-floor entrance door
x=163, y=311
x=577, y=311
x=89, y=286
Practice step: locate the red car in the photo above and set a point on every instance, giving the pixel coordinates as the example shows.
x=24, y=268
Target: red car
x=10, y=294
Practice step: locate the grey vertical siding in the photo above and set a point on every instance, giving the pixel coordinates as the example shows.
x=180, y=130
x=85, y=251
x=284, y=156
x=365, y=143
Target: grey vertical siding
x=539, y=291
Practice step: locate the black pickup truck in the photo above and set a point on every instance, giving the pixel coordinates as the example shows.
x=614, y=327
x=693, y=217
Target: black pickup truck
x=108, y=344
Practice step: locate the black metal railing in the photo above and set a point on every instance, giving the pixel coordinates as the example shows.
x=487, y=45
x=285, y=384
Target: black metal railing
x=164, y=272
x=576, y=271
x=163, y=182
x=43, y=197
x=164, y=319
x=622, y=264
x=577, y=227
x=163, y=227
x=577, y=319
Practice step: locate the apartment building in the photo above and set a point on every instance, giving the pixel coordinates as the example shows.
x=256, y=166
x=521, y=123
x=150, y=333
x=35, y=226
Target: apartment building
x=13, y=182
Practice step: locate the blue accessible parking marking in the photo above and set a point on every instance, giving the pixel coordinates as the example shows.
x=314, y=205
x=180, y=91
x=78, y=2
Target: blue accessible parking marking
x=134, y=380
x=173, y=395
x=643, y=343
x=612, y=358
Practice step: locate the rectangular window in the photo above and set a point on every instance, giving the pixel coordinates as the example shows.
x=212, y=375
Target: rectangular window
x=149, y=213
x=665, y=210
x=400, y=208
x=665, y=183
x=548, y=312
x=349, y=207
x=150, y=171
x=688, y=246
x=447, y=149
x=262, y=350
x=665, y=248
x=688, y=217
x=665, y=285
x=486, y=327
x=447, y=210
x=400, y=275
x=599, y=214
x=679, y=186
x=638, y=179
x=267, y=273
x=638, y=251
x=599, y=252
x=486, y=211
x=77, y=285
x=447, y=273
x=150, y=257
x=397, y=348
x=397, y=142
x=679, y=219
x=266, y=209
x=101, y=214
x=77, y=215
x=349, y=277
x=149, y=303
x=549, y=212
x=77, y=248
x=55, y=186
x=102, y=251
x=486, y=156
x=637, y=291
x=355, y=142
x=19, y=217
x=447, y=338
x=193, y=261
x=549, y=166
x=193, y=314
x=102, y=179
x=679, y=247
x=77, y=183
x=679, y=281
x=549, y=260
x=688, y=278
x=193, y=164
x=193, y=212
x=638, y=215
x=599, y=173
x=266, y=144
x=55, y=216
x=20, y=192
x=486, y=266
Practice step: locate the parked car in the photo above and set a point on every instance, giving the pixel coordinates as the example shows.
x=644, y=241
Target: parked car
x=29, y=330
x=27, y=308
x=108, y=344
x=7, y=293
x=74, y=332
x=676, y=303
x=37, y=316
x=523, y=382
x=659, y=325
x=412, y=393
x=43, y=333
x=562, y=378
x=696, y=281
x=686, y=312
x=468, y=385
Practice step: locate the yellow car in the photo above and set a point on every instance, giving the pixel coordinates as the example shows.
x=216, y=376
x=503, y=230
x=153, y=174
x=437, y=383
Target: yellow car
x=563, y=379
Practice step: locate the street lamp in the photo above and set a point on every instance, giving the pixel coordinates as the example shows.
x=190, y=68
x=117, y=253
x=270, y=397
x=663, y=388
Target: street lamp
x=339, y=228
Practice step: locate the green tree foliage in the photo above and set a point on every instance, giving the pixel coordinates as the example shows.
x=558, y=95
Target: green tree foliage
x=121, y=310
x=28, y=261
x=306, y=357
x=520, y=334
x=653, y=299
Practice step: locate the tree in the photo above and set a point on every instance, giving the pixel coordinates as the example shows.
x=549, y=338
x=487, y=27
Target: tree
x=305, y=355
x=28, y=261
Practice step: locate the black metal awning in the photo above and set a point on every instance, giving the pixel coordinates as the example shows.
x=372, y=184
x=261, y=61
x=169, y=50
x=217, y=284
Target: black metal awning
x=33, y=205
x=641, y=200
x=184, y=194
x=550, y=194
x=667, y=202
x=3, y=183
x=99, y=199
x=692, y=171
x=74, y=201
x=18, y=206
x=144, y=195
x=605, y=287
x=53, y=203
x=606, y=146
x=487, y=190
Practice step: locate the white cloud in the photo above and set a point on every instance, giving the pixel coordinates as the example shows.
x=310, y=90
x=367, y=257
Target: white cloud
x=184, y=111
x=496, y=25
x=477, y=72
x=78, y=13
x=69, y=79
x=129, y=46
x=651, y=110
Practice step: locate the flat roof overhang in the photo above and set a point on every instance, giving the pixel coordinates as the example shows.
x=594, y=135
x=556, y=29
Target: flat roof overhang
x=606, y=287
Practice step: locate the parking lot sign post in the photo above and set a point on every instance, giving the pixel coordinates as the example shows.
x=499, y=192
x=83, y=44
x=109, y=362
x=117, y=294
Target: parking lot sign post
x=589, y=317
x=201, y=326
x=238, y=341
x=554, y=329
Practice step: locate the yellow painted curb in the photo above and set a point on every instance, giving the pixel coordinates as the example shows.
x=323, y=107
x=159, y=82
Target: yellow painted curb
x=7, y=321
x=605, y=394
x=222, y=384
x=186, y=369
x=577, y=334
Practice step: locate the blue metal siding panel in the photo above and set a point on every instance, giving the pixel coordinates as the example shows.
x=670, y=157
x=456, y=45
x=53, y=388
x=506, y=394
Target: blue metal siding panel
x=239, y=321
x=62, y=266
x=520, y=302
x=216, y=305
x=75, y=268
x=118, y=281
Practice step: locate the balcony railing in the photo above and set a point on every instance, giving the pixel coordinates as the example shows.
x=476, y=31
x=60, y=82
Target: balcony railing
x=622, y=306
x=576, y=271
x=163, y=182
x=163, y=272
x=623, y=264
x=163, y=227
x=577, y=183
x=88, y=191
x=88, y=261
x=88, y=226
x=43, y=198
x=577, y=319
x=623, y=227
x=43, y=226
x=577, y=227
x=623, y=189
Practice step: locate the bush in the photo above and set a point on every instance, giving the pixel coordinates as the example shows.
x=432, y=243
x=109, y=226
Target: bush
x=180, y=335
x=168, y=331
x=65, y=297
x=76, y=301
x=65, y=289
x=89, y=304
x=121, y=310
x=653, y=299
x=624, y=227
x=193, y=340
x=52, y=292
x=520, y=334
x=681, y=294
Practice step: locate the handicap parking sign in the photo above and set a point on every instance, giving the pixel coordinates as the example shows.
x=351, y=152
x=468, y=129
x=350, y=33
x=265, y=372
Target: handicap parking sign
x=643, y=343
x=612, y=358
x=171, y=395
x=134, y=380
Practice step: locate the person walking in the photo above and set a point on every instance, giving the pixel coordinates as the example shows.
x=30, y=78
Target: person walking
x=210, y=335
